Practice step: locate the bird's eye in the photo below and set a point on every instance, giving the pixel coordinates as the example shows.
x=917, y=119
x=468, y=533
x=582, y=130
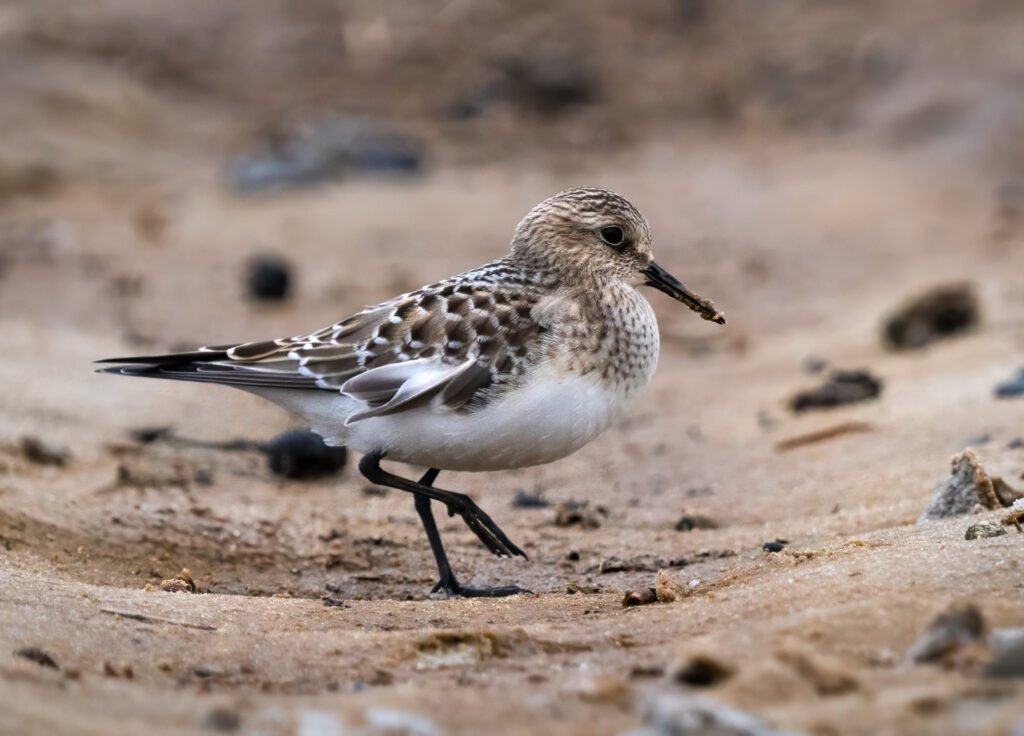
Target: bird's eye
x=612, y=236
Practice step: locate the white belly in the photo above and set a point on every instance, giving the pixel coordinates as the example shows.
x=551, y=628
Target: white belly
x=537, y=423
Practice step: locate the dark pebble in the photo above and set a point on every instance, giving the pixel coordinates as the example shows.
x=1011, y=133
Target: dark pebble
x=843, y=387
x=43, y=453
x=324, y=150
x=572, y=556
x=1016, y=443
x=644, y=671
x=334, y=603
x=37, y=655
x=702, y=671
x=689, y=522
x=148, y=435
x=1009, y=663
x=574, y=512
x=268, y=278
x=1012, y=388
x=302, y=455
x=981, y=439
x=203, y=476
x=959, y=626
x=775, y=545
x=221, y=719
x=547, y=84
x=813, y=364
x=207, y=670
x=639, y=598
x=535, y=500
x=942, y=312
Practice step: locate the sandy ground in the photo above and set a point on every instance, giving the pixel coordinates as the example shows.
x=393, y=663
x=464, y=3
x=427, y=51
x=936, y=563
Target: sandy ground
x=806, y=242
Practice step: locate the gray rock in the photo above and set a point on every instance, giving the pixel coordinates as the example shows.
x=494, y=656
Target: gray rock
x=322, y=151
x=947, y=633
x=1012, y=388
x=667, y=714
x=940, y=313
x=984, y=530
x=1008, y=663
x=967, y=486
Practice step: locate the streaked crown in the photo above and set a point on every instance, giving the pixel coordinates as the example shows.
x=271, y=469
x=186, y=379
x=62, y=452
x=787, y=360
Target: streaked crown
x=588, y=230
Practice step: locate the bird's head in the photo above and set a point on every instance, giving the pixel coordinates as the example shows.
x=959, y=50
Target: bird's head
x=594, y=232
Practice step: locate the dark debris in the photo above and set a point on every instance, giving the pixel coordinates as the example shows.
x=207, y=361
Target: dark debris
x=943, y=312
x=303, y=455
x=843, y=387
x=37, y=655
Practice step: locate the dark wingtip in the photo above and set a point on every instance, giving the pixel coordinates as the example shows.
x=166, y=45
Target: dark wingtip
x=127, y=370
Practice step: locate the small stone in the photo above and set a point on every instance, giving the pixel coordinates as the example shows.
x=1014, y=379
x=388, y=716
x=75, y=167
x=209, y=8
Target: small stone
x=640, y=563
x=580, y=513
x=702, y=670
x=775, y=545
x=1011, y=388
x=268, y=278
x=967, y=486
x=535, y=500
x=388, y=720
x=843, y=387
x=668, y=590
x=148, y=435
x=546, y=83
x=180, y=583
x=37, y=655
x=689, y=522
x=639, y=598
x=221, y=719
x=940, y=313
x=323, y=150
x=666, y=714
x=43, y=453
x=1007, y=663
x=984, y=530
x=126, y=672
x=303, y=455
x=207, y=670
x=949, y=636
x=813, y=364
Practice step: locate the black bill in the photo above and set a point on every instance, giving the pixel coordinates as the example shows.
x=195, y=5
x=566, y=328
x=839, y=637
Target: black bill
x=662, y=280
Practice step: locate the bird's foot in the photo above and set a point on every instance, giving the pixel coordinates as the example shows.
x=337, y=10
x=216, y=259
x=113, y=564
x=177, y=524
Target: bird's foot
x=485, y=529
x=452, y=588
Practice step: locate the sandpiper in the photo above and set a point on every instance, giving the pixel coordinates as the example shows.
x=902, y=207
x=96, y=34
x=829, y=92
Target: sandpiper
x=518, y=362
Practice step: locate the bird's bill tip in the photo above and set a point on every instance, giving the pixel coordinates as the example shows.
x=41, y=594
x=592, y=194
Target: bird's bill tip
x=665, y=282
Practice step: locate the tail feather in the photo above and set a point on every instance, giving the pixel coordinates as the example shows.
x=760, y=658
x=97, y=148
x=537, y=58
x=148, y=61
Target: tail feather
x=208, y=365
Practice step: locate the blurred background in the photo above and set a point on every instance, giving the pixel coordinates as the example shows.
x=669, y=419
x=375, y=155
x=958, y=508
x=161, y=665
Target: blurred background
x=845, y=180
x=758, y=137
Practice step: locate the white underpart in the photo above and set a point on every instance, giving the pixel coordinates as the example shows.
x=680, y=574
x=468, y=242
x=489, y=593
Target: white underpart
x=543, y=420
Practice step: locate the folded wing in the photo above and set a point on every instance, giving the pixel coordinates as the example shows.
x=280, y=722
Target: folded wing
x=454, y=343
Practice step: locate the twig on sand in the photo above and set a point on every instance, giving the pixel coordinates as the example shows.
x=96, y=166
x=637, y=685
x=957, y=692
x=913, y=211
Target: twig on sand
x=822, y=435
x=156, y=619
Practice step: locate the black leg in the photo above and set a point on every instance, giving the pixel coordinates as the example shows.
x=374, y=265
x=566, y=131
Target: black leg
x=448, y=583
x=457, y=503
